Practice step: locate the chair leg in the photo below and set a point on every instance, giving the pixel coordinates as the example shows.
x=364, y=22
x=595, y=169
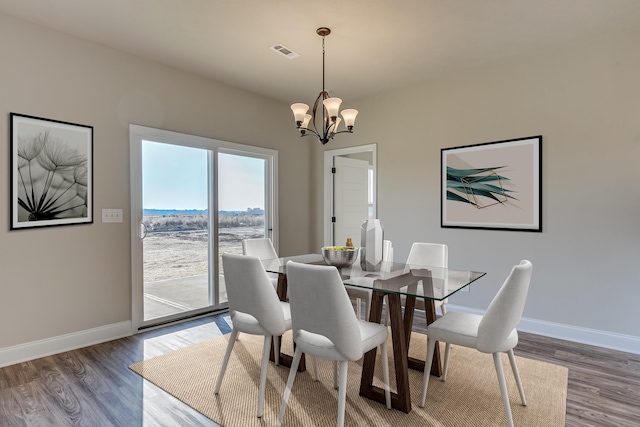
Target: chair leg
x=263, y=373
x=276, y=349
x=335, y=374
x=385, y=373
x=443, y=309
x=503, y=387
x=359, y=308
x=315, y=368
x=516, y=374
x=447, y=348
x=367, y=307
x=431, y=348
x=287, y=390
x=225, y=361
x=342, y=392
x=387, y=321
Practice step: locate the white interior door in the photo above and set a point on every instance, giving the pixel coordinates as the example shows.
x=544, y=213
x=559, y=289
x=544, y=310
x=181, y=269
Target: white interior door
x=351, y=201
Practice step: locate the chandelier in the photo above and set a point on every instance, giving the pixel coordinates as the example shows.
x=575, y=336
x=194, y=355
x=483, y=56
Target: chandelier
x=324, y=116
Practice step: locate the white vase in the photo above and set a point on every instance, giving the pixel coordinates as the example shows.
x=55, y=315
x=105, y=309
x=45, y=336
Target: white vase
x=371, y=237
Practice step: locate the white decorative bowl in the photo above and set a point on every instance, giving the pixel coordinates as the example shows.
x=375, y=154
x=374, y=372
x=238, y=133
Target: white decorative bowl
x=339, y=258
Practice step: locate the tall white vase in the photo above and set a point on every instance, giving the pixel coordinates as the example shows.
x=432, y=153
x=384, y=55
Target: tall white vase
x=371, y=237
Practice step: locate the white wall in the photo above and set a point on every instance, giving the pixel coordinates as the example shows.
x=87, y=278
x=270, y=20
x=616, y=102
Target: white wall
x=64, y=280
x=585, y=102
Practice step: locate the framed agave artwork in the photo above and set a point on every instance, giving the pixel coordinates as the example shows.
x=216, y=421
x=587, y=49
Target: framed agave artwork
x=494, y=185
x=51, y=172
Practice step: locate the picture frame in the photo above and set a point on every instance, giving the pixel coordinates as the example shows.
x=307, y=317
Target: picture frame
x=51, y=172
x=493, y=185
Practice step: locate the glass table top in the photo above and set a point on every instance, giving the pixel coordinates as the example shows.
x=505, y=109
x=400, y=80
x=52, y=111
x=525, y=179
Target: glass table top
x=435, y=283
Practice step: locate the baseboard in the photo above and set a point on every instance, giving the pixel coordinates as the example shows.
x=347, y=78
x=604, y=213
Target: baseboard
x=610, y=340
x=47, y=347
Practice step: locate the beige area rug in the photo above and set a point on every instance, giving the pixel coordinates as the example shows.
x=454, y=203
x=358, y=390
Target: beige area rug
x=469, y=397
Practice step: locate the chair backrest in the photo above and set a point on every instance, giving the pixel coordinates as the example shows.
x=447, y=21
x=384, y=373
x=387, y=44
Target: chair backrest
x=262, y=248
x=320, y=305
x=250, y=291
x=505, y=311
x=429, y=254
x=387, y=251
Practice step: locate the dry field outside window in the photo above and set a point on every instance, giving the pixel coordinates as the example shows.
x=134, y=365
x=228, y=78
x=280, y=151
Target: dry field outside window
x=177, y=245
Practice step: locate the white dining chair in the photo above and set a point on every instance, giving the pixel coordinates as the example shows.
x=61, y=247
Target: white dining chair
x=263, y=249
x=426, y=254
x=361, y=294
x=325, y=326
x=432, y=255
x=254, y=309
x=493, y=333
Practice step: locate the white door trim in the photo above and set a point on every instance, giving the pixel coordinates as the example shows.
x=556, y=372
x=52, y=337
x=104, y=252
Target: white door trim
x=328, y=183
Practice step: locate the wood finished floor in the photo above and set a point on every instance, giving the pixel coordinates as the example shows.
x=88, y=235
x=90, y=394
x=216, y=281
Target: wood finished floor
x=94, y=387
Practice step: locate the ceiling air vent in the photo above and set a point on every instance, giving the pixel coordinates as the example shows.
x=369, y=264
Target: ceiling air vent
x=285, y=51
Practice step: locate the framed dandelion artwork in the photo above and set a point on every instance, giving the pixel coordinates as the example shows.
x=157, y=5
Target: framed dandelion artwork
x=494, y=185
x=51, y=172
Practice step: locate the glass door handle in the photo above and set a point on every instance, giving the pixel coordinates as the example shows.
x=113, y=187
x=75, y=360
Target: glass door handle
x=143, y=230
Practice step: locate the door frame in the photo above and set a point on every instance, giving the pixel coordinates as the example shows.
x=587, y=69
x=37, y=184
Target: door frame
x=139, y=133
x=328, y=183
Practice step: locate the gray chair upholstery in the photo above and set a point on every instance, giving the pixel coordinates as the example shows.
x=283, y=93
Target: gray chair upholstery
x=325, y=326
x=263, y=249
x=493, y=333
x=254, y=309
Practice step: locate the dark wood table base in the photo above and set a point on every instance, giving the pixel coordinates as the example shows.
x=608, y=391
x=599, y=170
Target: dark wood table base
x=401, y=326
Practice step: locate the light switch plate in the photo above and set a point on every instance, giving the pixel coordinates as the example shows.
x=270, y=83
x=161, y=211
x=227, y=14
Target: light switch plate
x=111, y=215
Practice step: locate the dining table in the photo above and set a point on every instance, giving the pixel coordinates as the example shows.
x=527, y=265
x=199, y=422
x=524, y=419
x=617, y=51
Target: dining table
x=400, y=284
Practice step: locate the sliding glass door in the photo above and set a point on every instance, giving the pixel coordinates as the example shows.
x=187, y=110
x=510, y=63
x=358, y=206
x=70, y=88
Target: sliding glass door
x=242, y=202
x=193, y=199
x=175, y=218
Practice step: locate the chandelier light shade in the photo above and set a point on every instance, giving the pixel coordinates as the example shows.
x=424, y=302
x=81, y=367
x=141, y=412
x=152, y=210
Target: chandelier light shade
x=323, y=122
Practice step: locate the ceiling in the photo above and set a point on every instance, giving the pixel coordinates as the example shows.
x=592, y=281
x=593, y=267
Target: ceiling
x=375, y=45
